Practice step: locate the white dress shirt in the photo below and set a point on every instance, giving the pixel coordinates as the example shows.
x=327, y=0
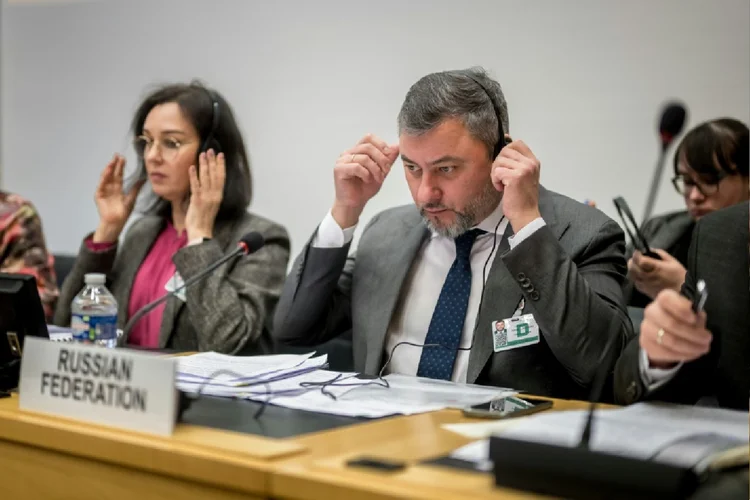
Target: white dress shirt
x=421, y=290
x=653, y=378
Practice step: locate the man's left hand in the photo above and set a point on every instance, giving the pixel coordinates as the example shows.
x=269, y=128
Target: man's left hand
x=515, y=173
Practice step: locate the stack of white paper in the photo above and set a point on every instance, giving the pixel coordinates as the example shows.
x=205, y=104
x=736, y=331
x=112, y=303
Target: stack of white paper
x=424, y=394
x=477, y=452
x=59, y=333
x=403, y=395
x=242, y=376
x=301, y=382
x=675, y=434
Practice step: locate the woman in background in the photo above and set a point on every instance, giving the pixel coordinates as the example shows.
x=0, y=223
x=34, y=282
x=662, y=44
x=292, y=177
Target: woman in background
x=23, y=249
x=711, y=173
x=192, y=154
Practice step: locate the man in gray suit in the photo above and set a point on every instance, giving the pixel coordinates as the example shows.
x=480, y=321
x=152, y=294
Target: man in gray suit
x=431, y=282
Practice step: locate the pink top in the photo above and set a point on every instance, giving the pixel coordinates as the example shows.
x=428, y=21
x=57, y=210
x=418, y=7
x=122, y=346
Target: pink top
x=155, y=271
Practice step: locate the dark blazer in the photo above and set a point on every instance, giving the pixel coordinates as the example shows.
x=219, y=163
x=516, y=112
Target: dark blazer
x=569, y=272
x=229, y=312
x=718, y=255
x=668, y=232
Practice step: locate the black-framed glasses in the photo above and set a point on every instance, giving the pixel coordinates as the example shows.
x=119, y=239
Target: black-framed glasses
x=631, y=227
x=683, y=184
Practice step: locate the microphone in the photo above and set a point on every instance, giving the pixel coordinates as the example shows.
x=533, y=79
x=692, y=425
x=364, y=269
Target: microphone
x=670, y=125
x=597, y=387
x=581, y=473
x=249, y=243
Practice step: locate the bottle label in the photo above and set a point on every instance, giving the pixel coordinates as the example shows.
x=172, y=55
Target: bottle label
x=91, y=328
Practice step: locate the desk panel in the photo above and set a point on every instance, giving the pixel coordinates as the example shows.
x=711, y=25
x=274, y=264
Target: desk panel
x=31, y=473
x=197, y=455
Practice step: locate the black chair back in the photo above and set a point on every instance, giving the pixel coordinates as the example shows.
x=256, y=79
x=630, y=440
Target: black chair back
x=63, y=265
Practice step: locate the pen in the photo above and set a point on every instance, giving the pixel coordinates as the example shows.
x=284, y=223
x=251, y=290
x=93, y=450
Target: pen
x=700, y=297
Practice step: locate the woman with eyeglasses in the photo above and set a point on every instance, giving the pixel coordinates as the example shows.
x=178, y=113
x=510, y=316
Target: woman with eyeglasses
x=192, y=156
x=711, y=173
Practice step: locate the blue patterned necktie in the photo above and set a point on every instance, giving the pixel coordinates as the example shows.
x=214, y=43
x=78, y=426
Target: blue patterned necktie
x=447, y=322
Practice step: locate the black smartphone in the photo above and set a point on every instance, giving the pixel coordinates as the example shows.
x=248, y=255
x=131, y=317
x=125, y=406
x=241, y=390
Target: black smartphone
x=509, y=407
x=631, y=227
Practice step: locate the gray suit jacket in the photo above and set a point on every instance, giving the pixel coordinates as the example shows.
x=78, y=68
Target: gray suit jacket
x=663, y=232
x=718, y=255
x=230, y=311
x=570, y=274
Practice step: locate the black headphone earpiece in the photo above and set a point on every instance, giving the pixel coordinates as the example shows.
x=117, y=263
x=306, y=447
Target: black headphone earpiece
x=211, y=142
x=502, y=140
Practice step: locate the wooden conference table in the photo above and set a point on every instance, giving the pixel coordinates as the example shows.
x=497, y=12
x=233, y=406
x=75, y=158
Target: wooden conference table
x=43, y=457
x=322, y=473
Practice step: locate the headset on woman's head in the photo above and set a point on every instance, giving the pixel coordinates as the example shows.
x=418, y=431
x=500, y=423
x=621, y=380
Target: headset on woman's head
x=211, y=142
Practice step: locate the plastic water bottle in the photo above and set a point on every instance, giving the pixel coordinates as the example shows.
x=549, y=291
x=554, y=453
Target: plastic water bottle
x=94, y=313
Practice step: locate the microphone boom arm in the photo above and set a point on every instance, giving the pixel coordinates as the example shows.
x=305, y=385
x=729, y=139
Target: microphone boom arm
x=198, y=277
x=655, y=182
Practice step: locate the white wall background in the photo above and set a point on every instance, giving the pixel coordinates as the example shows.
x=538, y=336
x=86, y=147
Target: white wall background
x=584, y=79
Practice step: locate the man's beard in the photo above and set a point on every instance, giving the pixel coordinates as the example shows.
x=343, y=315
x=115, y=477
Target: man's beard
x=482, y=205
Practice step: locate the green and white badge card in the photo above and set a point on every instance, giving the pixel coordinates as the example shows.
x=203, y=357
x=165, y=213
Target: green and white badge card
x=515, y=332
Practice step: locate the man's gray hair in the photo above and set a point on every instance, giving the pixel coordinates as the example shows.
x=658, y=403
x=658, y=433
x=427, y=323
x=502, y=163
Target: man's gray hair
x=455, y=94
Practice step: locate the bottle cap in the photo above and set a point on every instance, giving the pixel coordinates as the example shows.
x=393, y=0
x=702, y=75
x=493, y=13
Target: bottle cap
x=95, y=279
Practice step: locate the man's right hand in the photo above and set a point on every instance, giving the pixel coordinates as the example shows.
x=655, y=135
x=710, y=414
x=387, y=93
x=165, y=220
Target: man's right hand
x=358, y=175
x=671, y=332
x=113, y=204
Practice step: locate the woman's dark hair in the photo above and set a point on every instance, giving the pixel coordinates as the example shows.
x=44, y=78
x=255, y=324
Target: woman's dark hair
x=197, y=104
x=715, y=149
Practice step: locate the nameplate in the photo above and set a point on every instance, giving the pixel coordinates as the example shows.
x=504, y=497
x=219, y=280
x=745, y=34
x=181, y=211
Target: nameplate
x=114, y=387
